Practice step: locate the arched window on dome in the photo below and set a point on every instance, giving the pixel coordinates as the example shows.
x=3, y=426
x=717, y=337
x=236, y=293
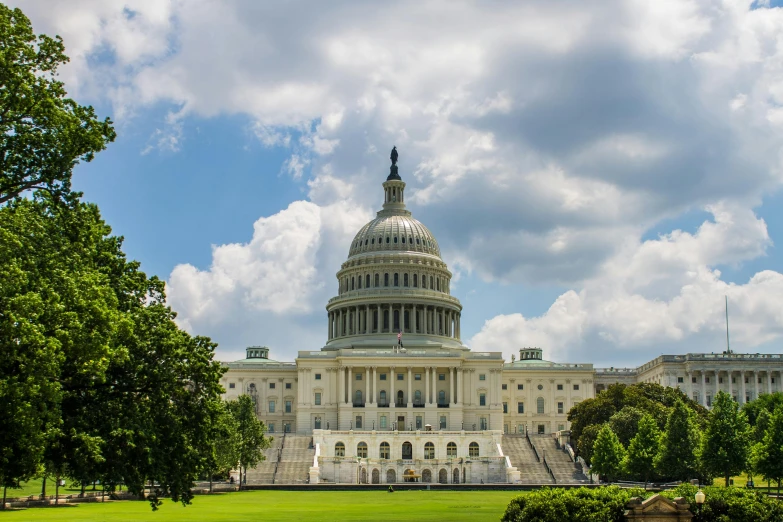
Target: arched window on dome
x=366, y=241
x=403, y=239
x=410, y=240
x=396, y=279
x=418, y=241
x=385, y=320
x=405, y=280
x=359, y=282
x=367, y=281
x=396, y=320
x=353, y=283
x=395, y=239
x=372, y=241
x=375, y=321
x=407, y=321
x=415, y=280
x=387, y=240
x=438, y=283
x=432, y=286
x=377, y=280
x=386, y=279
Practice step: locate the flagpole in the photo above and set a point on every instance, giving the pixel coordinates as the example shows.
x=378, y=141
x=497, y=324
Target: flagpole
x=728, y=348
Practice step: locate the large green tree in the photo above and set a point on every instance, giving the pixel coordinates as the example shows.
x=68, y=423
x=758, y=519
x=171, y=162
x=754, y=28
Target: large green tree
x=643, y=449
x=768, y=454
x=225, y=444
x=679, y=445
x=43, y=133
x=726, y=443
x=608, y=454
x=250, y=434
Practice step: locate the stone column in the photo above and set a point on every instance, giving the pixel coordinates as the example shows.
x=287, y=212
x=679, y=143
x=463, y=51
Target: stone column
x=756, y=388
x=769, y=382
x=410, y=397
x=402, y=318
x=350, y=385
x=729, y=374
x=717, y=384
x=380, y=320
x=552, y=396
x=689, y=383
x=452, y=398
x=461, y=380
x=367, y=320
x=329, y=330
x=341, y=386
x=744, y=394
x=414, y=321
x=434, y=385
x=424, y=319
x=393, y=398
x=264, y=386
x=703, y=389
x=368, y=387
x=426, y=385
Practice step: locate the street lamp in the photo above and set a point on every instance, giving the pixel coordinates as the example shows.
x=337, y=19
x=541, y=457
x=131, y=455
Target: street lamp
x=700, y=496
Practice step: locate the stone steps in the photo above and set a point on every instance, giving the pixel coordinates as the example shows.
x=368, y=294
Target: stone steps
x=516, y=448
x=564, y=470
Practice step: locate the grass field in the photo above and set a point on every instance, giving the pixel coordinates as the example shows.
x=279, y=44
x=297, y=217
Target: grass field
x=292, y=505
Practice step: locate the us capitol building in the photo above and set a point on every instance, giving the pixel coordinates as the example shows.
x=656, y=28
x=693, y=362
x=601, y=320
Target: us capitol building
x=367, y=408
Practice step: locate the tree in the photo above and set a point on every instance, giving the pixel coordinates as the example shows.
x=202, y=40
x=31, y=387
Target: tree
x=587, y=441
x=43, y=134
x=250, y=434
x=608, y=454
x=679, y=444
x=765, y=402
x=643, y=449
x=725, y=446
x=225, y=444
x=625, y=423
x=768, y=454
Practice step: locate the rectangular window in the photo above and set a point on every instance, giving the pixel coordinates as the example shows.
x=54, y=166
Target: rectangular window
x=383, y=425
x=540, y=405
x=746, y=380
x=482, y=377
x=358, y=376
x=733, y=380
x=317, y=376
x=231, y=385
x=317, y=398
x=520, y=407
x=271, y=386
x=720, y=380
x=560, y=408
x=560, y=427
x=441, y=376
x=693, y=380
x=505, y=407
x=358, y=422
x=482, y=399
x=559, y=387
x=288, y=406
x=504, y=386
x=288, y=386
x=759, y=380
x=576, y=387
x=400, y=377
x=271, y=428
x=707, y=380
x=520, y=386
x=383, y=376
x=443, y=422
x=418, y=422
x=271, y=406
x=709, y=401
x=416, y=376
x=680, y=380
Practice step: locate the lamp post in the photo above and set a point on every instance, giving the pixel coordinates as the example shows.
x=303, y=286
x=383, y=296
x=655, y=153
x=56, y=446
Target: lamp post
x=700, y=496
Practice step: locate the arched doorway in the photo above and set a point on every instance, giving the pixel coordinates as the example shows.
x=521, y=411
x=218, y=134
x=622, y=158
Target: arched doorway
x=443, y=476
x=391, y=476
x=376, y=476
x=456, y=476
x=407, y=450
x=426, y=476
x=400, y=401
x=364, y=476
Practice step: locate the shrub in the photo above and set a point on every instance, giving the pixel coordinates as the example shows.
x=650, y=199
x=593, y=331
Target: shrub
x=578, y=505
x=730, y=504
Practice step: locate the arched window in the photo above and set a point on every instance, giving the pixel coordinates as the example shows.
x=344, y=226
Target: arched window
x=400, y=398
x=361, y=450
x=441, y=397
x=386, y=320
x=429, y=450
x=540, y=405
x=339, y=450
x=377, y=280
x=353, y=283
x=382, y=398
x=367, y=281
x=386, y=279
x=432, y=286
x=437, y=281
x=396, y=320
x=396, y=279
x=403, y=239
x=415, y=280
x=358, y=399
x=387, y=239
x=395, y=239
x=359, y=282
x=405, y=280
x=406, y=320
x=451, y=449
x=417, y=397
x=473, y=449
x=385, y=450
x=407, y=450
x=372, y=241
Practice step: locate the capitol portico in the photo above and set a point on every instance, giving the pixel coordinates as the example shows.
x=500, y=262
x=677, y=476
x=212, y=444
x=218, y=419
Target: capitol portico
x=395, y=395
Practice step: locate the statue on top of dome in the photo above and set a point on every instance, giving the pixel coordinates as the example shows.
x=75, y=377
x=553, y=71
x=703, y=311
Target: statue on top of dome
x=393, y=174
x=394, y=155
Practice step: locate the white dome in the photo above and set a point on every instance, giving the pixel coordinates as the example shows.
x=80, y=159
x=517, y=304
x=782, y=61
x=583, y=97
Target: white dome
x=394, y=232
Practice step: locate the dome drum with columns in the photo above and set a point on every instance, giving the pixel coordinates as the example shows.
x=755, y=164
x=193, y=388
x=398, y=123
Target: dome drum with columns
x=394, y=281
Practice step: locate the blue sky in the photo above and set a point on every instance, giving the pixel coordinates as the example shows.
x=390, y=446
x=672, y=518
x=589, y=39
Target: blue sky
x=587, y=170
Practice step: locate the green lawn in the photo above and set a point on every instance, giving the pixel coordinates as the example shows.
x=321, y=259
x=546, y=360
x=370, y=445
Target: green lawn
x=293, y=505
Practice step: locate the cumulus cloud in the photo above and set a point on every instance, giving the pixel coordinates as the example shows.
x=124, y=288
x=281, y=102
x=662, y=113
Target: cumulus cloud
x=541, y=141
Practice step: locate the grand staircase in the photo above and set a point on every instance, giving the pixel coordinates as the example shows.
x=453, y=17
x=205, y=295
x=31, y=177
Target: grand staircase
x=264, y=472
x=518, y=450
x=296, y=458
x=563, y=468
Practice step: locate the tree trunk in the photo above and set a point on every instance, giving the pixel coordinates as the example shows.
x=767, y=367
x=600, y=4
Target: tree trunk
x=5, y=489
x=210, y=482
x=43, y=488
x=84, y=488
x=57, y=490
x=728, y=476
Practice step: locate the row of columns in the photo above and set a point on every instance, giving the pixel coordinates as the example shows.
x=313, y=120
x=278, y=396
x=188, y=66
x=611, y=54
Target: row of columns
x=757, y=388
x=430, y=377
x=428, y=320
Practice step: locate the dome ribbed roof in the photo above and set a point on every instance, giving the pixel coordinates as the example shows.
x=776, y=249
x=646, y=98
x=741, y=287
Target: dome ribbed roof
x=394, y=232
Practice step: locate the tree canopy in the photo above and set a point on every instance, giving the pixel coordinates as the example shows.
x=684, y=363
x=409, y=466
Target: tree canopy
x=725, y=446
x=43, y=133
x=250, y=439
x=643, y=449
x=608, y=454
x=679, y=445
